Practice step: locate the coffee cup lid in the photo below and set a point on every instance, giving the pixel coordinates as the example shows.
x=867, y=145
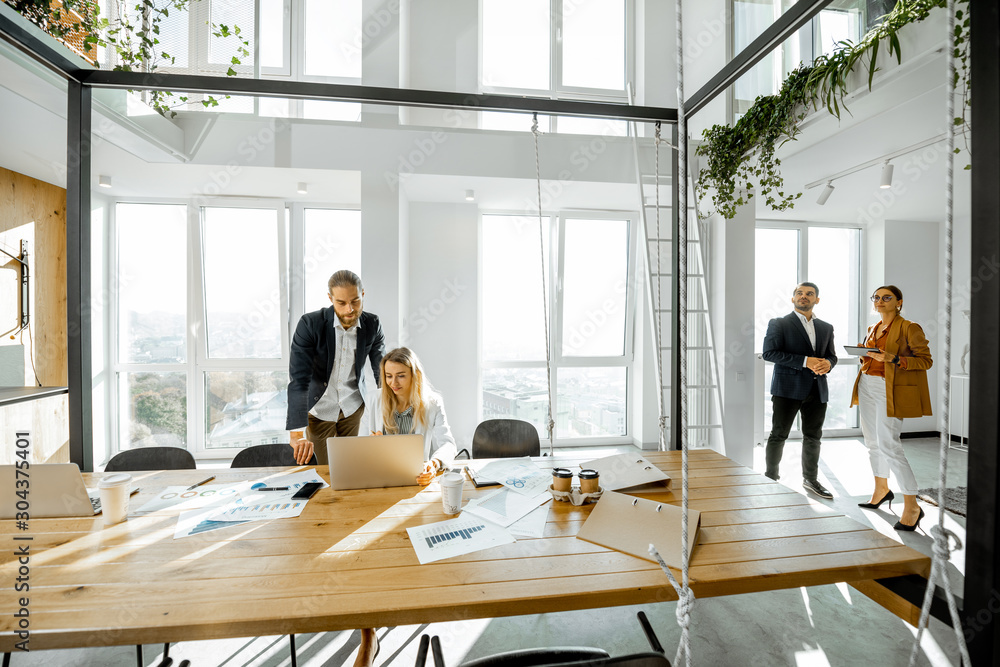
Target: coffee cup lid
x=588, y=473
x=562, y=473
x=114, y=480
x=452, y=478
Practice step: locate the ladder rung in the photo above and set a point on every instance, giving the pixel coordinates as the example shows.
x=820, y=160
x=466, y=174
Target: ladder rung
x=701, y=386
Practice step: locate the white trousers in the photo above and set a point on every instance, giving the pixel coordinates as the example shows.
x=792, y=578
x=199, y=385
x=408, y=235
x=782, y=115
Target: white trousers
x=882, y=434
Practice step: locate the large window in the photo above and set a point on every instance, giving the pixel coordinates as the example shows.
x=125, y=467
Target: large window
x=202, y=310
x=787, y=254
x=561, y=48
x=588, y=264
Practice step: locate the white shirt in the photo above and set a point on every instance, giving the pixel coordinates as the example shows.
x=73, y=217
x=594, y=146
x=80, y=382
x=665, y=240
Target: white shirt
x=810, y=331
x=438, y=440
x=342, y=393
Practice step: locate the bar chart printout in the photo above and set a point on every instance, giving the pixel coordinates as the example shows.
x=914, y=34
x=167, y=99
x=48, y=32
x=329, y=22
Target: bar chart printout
x=454, y=537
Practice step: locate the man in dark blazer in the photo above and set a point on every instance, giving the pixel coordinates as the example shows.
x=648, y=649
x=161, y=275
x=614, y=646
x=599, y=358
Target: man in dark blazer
x=800, y=346
x=326, y=388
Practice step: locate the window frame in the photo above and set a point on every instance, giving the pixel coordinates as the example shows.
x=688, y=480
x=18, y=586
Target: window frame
x=290, y=249
x=856, y=314
x=556, y=89
x=554, y=288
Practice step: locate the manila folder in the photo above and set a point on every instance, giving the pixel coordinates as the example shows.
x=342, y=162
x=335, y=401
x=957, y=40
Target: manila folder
x=629, y=471
x=630, y=524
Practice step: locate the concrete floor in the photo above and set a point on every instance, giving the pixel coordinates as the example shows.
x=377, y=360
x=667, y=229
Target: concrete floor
x=805, y=627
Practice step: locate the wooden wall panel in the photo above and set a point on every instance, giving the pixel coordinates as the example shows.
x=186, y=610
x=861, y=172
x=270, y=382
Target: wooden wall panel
x=36, y=211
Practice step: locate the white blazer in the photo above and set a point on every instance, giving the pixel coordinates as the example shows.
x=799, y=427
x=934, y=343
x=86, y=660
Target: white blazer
x=438, y=440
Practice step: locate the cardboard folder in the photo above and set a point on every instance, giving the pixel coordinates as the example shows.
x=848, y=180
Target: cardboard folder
x=629, y=472
x=630, y=524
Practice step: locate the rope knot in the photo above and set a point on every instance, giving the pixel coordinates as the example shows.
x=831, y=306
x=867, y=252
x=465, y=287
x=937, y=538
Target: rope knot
x=685, y=604
x=942, y=542
x=534, y=124
x=663, y=422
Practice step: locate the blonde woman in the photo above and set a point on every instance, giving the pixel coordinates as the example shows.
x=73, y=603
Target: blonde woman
x=891, y=385
x=406, y=403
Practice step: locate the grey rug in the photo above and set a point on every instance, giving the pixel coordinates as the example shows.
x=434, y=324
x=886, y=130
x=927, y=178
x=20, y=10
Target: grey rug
x=954, y=498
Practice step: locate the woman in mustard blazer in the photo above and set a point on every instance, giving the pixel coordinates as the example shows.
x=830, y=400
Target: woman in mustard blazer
x=892, y=385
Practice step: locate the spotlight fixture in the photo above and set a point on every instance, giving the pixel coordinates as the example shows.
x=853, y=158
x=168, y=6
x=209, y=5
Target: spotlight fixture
x=470, y=195
x=104, y=181
x=825, y=194
x=886, y=175
x=303, y=188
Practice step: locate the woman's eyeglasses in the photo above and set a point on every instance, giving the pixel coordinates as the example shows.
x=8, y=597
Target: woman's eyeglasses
x=887, y=297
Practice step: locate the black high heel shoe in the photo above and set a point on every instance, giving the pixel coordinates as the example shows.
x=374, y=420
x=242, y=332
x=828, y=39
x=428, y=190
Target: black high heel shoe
x=874, y=506
x=902, y=526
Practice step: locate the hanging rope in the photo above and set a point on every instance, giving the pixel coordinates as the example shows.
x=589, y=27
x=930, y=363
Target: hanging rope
x=685, y=597
x=942, y=536
x=551, y=425
x=659, y=300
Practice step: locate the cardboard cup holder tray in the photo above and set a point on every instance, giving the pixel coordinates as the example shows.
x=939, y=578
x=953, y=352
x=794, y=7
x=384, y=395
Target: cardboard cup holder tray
x=575, y=497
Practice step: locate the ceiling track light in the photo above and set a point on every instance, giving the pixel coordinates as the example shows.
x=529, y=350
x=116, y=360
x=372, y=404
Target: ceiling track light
x=825, y=194
x=470, y=195
x=886, y=175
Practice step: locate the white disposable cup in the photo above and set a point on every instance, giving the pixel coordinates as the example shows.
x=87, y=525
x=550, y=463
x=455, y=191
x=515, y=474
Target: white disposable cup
x=114, y=491
x=451, y=492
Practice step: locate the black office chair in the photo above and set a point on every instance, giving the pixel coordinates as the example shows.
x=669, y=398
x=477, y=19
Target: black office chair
x=152, y=458
x=264, y=456
x=563, y=656
x=505, y=438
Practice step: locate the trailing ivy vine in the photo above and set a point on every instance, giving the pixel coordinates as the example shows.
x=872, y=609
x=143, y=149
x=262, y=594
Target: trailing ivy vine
x=133, y=34
x=740, y=159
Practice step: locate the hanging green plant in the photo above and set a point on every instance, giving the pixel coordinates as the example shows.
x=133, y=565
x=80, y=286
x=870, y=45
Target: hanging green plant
x=740, y=159
x=133, y=35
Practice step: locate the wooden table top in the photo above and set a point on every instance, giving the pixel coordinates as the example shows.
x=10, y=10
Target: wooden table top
x=347, y=562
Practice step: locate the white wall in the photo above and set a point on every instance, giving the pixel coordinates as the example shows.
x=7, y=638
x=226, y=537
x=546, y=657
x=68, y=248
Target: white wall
x=910, y=262
x=442, y=323
x=732, y=306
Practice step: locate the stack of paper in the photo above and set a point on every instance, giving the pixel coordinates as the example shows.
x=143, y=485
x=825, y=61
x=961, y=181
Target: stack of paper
x=485, y=522
x=247, y=504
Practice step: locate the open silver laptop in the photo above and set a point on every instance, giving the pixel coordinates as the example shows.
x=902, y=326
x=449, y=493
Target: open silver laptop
x=54, y=490
x=367, y=462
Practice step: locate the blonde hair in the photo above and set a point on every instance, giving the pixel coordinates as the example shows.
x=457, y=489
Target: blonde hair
x=419, y=388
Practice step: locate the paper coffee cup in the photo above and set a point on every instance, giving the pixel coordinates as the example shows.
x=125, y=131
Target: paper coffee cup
x=451, y=492
x=562, y=479
x=114, y=490
x=589, y=481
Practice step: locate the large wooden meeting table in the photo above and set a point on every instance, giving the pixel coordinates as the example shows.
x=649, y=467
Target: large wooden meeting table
x=347, y=562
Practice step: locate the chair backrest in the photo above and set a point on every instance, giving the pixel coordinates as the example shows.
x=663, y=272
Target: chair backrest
x=263, y=456
x=505, y=438
x=151, y=458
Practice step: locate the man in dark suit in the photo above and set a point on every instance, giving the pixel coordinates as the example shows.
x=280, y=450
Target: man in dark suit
x=326, y=388
x=801, y=348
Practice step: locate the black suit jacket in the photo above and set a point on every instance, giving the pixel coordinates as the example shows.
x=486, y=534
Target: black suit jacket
x=786, y=344
x=311, y=361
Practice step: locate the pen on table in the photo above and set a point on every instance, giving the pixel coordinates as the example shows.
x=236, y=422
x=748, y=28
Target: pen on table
x=271, y=488
x=204, y=481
